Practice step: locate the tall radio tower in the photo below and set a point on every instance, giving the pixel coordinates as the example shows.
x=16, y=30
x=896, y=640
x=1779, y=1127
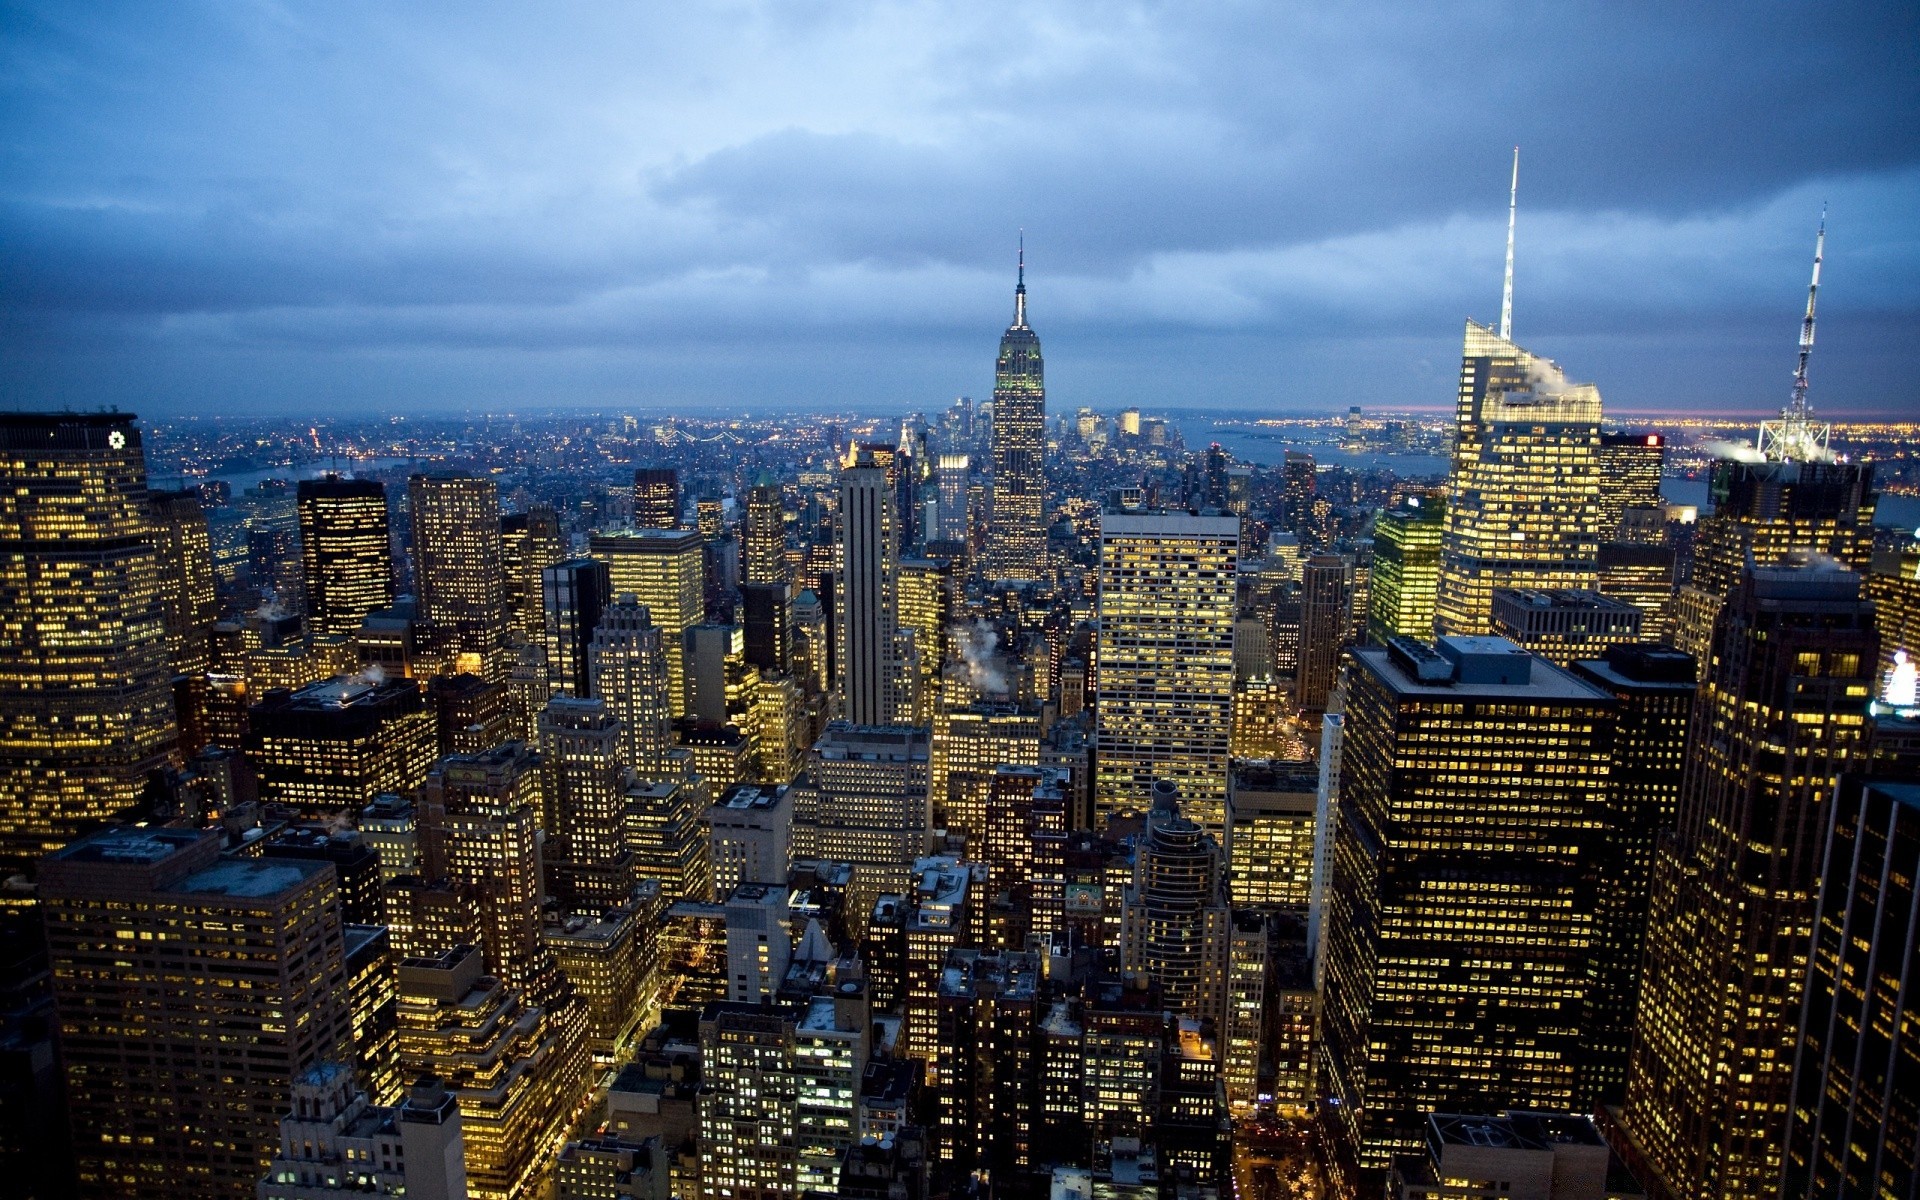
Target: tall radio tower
x=1795, y=437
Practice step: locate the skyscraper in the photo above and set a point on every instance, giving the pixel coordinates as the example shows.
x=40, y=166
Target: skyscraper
x=953, y=476
x=337, y=745
x=1524, y=509
x=665, y=570
x=656, y=498
x=1406, y=569
x=1298, y=483
x=583, y=806
x=1563, y=626
x=1630, y=467
x=763, y=541
x=190, y=990
x=1782, y=713
x=1165, y=653
x=1173, y=925
x=863, y=800
x=1459, y=917
x=188, y=599
x=530, y=542
x=627, y=662
x=1326, y=617
x=1017, y=538
x=574, y=594
x=867, y=606
x=346, y=551
x=457, y=574
x=86, y=707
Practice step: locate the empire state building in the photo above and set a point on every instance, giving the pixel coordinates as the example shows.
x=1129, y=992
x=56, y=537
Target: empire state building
x=1016, y=537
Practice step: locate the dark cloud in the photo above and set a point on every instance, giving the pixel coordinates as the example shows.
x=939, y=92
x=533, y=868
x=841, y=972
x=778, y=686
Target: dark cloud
x=722, y=203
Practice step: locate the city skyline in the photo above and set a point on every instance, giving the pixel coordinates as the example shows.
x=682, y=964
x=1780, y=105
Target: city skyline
x=506, y=215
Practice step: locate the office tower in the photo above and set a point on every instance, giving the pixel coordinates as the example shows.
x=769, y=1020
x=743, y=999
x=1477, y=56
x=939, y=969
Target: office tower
x=611, y=1168
x=341, y=744
x=1270, y=833
x=763, y=541
x=86, y=702
x=747, y=1111
x=953, y=477
x=656, y=498
x=1165, y=654
x=866, y=605
x=1174, y=914
x=832, y=1044
x=1782, y=713
x=511, y=1068
x=184, y=553
x=1653, y=692
x=759, y=942
x=1017, y=530
x=1243, y=1030
x=1630, y=468
x=1026, y=821
x=1467, y=770
x=583, y=806
x=479, y=815
x=390, y=825
x=946, y=910
x=665, y=571
x=1853, y=1129
x=530, y=542
x=749, y=835
x=986, y=1013
x=356, y=865
x=346, y=552
x=469, y=713
x=1122, y=1044
x=1406, y=569
x=160, y=951
x=574, y=595
x=968, y=745
x=1562, y=626
x=767, y=623
x=1641, y=574
x=1260, y=709
x=627, y=661
x=273, y=544
x=458, y=579
x=668, y=834
x=1298, y=490
x=863, y=800
x=1326, y=619
x=1524, y=508
x=1522, y=1155
x=610, y=956
x=335, y=1144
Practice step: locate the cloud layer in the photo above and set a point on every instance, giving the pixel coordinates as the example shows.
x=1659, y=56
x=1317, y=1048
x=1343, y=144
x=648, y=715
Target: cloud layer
x=799, y=203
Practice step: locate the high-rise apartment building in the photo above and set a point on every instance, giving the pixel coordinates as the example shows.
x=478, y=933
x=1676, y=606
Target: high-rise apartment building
x=866, y=606
x=665, y=570
x=863, y=800
x=1326, y=620
x=573, y=596
x=191, y=990
x=1524, y=506
x=1017, y=534
x=656, y=498
x=763, y=539
x=1853, y=1129
x=1165, y=654
x=86, y=703
x=338, y=745
x=188, y=599
x=458, y=579
x=1459, y=919
x=627, y=663
x=346, y=551
x=1406, y=569
x=1781, y=715
x=1631, y=465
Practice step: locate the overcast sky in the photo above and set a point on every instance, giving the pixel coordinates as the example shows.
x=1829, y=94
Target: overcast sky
x=260, y=206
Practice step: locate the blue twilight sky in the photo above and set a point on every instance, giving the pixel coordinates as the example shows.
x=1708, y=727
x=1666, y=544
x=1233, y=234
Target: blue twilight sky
x=268, y=205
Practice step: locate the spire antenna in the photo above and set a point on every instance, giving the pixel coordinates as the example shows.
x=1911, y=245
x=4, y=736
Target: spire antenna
x=1020, y=289
x=1506, y=292
x=1795, y=437
x=1797, y=406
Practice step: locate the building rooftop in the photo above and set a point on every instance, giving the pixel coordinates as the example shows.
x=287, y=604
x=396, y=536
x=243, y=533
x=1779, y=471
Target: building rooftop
x=1482, y=667
x=129, y=844
x=251, y=878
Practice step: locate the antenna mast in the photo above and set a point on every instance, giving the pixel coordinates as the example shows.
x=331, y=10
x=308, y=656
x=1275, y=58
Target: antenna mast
x=1795, y=437
x=1506, y=294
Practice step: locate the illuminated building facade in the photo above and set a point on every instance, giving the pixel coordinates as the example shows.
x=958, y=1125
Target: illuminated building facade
x=1524, y=506
x=574, y=595
x=583, y=806
x=656, y=498
x=988, y=1006
x=530, y=542
x=1270, y=833
x=924, y=594
x=1405, y=584
x=863, y=800
x=507, y=1065
x=1017, y=535
x=346, y=552
x=86, y=703
x=665, y=570
x=747, y=1110
x=1853, y=1129
x=336, y=1145
x=969, y=744
x=1781, y=715
x=609, y=956
x=160, y=949
x=1460, y=920
x=1174, y=916
x=1562, y=626
x=763, y=540
x=953, y=478
x=1165, y=655
x=1640, y=574
x=866, y=607
x=1630, y=468
x=669, y=837
x=188, y=599
x=627, y=662
x=458, y=578
x=1326, y=618
x=341, y=744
